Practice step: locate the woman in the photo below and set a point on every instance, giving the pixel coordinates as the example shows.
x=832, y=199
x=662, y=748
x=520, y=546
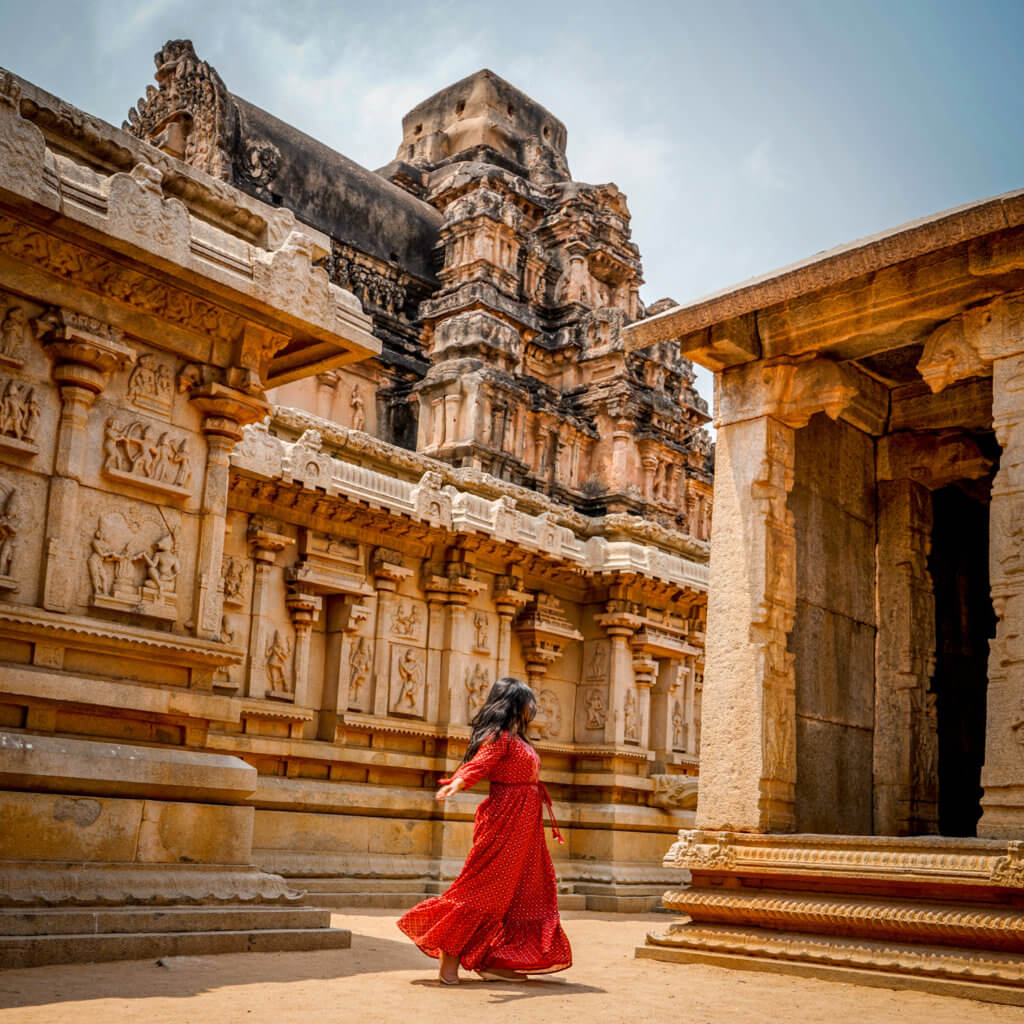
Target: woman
x=500, y=916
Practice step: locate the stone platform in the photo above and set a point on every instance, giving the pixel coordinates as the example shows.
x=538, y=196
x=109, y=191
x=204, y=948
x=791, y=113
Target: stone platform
x=942, y=915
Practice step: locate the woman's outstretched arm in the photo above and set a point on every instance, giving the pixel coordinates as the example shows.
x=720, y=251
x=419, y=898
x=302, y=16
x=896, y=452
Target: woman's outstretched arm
x=480, y=767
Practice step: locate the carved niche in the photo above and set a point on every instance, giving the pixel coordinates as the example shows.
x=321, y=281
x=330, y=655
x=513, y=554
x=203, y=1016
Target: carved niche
x=408, y=681
x=136, y=453
x=547, y=723
x=19, y=416
x=134, y=566
x=151, y=384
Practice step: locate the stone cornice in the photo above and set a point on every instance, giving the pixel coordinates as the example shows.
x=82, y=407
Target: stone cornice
x=325, y=471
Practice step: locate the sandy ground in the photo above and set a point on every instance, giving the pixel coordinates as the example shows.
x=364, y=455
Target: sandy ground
x=384, y=978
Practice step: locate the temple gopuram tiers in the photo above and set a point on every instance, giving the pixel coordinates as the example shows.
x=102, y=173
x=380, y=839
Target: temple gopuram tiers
x=296, y=458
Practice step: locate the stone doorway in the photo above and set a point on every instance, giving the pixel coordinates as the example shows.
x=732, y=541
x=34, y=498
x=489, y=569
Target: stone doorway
x=964, y=624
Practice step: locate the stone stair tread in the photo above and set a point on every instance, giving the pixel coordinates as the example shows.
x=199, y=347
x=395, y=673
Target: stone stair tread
x=122, y=920
x=41, y=950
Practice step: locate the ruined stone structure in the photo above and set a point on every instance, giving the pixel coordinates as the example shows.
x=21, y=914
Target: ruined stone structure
x=863, y=765
x=295, y=459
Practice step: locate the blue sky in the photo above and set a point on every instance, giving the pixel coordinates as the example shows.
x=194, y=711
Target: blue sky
x=746, y=134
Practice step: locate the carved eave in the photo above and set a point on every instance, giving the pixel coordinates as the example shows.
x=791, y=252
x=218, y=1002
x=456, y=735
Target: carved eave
x=111, y=241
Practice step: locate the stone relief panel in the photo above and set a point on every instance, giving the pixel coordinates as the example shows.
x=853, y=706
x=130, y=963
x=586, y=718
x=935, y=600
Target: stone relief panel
x=632, y=717
x=408, y=681
x=547, y=724
x=140, y=454
x=133, y=564
x=483, y=632
x=16, y=334
x=478, y=685
x=11, y=526
x=408, y=620
x=235, y=577
x=679, y=729
x=22, y=516
x=280, y=680
x=151, y=384
x=595, y=661
x=360, y=667
x=20, y=412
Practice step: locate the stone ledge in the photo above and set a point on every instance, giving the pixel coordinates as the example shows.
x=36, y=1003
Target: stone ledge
x=60, y=765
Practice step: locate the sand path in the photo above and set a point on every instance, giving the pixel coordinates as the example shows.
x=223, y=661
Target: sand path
x=384, y=979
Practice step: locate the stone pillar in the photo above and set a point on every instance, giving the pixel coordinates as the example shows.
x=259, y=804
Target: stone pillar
x=509, y=599
x=748, y=771
x=666, y=691
x=388, y=572
x=225, y=411
x=303, y=609
x=905, y=741
x=645, y=670
x=620, y=625
x=84, y=353
x=437, y=629
x=345, y=616
x=1002, y=776
x=266, y=543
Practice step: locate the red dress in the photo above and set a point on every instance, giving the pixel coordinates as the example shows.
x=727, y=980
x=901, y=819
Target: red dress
x=502, y=910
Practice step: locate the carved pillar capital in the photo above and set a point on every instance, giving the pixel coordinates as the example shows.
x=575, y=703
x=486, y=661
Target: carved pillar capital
x=84, y=350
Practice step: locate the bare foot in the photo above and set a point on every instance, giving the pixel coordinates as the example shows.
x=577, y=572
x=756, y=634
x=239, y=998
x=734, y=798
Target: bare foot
x=449, y=969
x=499, y=974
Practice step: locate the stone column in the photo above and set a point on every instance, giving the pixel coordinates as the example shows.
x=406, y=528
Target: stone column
x=388, y=572
x=344, y=619
x=266, y=543
x=84, y=352
x=645, y=670
x=509, y=599
x=904, y=655
x=225, y=411
x=620, y=625
x=303, y=609
x=437, y=631
x=666, y=691
x=460, y=587
x=1002, y=776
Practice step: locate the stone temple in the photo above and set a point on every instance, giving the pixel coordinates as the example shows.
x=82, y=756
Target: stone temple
x=296, y=458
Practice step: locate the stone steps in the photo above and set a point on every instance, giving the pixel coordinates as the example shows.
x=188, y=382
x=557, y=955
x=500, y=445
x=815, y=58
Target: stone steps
x=34, y=937
x=405, y=900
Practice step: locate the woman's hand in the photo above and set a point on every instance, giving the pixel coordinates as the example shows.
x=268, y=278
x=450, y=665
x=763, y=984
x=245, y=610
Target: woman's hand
x=451, y=789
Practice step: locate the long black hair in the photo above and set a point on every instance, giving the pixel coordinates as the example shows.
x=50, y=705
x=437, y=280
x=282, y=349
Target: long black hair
x=510, y=707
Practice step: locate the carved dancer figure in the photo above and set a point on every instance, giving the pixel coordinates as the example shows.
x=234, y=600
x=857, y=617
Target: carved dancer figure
x=411, y=676
x=163, y=565
x=12, y=332
x=678, y=727
x=477, y=685
x=359, y=663
x=632, y=717
x=595, y=710
x=500, y=916
x=10, y=523
x=278, y=654
x=480, y=631
x=356, y=404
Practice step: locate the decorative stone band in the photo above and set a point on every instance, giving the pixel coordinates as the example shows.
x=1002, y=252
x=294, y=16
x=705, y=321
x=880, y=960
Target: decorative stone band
x=934, y=859
x=837, y=950
x=989, y=927
x=25, y=883
x=308, y=463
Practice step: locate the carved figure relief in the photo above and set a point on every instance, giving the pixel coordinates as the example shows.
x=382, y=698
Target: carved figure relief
x=478, y=682
x=356, y=404
x=678, y=727
x=10, y=524
x=405, y=620
x=278, y=652
x=597, y=668
x=19, y=414
x=151, y=384
x=360, y=662
x=631, y=716
x=129, y=573
x=135, y=453
x=547, y=723
x=480, y=639
x=407, y=677
x=235, y=575
x=13, y=335
x=597, y=711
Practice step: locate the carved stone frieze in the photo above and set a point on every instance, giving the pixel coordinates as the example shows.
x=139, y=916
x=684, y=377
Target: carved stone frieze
x=136, y=453
x=701, y=850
